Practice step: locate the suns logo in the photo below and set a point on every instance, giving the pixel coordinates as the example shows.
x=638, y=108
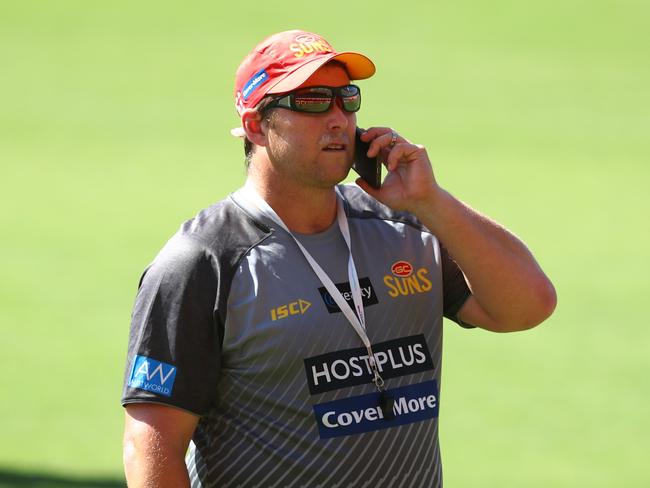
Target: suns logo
x=307, y=44
x=405, y=280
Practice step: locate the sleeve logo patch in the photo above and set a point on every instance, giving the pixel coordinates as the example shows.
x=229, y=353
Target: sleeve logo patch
x=151, y=375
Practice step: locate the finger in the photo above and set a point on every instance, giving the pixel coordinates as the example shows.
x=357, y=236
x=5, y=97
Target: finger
x=387, y=140
x=373, y=132
x=403, y=153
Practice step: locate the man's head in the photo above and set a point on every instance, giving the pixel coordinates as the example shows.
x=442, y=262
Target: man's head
x=282, y=63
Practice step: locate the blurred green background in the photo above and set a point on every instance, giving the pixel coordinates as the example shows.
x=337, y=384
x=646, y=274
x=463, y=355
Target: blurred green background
x=114, y=120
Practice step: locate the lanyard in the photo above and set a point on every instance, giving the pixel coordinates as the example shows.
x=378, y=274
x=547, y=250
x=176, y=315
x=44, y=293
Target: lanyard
x=357, y=321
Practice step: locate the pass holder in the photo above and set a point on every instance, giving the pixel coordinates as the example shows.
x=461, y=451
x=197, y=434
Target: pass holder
x=386, y=402
x=358, y=320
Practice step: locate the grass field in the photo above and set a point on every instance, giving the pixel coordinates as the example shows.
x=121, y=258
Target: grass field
x=114, y=120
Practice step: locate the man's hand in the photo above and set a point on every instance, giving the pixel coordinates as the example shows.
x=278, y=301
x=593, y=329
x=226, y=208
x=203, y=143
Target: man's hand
x=410, y=184
x=509, y=290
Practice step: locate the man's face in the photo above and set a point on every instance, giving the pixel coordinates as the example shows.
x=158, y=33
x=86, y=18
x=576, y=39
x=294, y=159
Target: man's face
x=313, y=149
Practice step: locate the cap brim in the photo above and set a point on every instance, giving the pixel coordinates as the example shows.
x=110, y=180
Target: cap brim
x=358, y=66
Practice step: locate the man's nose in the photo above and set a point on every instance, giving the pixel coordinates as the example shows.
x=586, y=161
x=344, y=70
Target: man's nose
x=338, y=118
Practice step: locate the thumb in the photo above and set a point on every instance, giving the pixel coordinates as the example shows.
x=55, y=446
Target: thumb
x=361, y=183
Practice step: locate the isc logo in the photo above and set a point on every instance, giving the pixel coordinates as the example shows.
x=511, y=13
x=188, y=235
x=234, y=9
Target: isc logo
x=405, y=280
x=299, y=307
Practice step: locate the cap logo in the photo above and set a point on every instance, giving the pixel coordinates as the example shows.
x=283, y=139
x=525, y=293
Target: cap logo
x=254, y=83
x=305, y=38
x=308, y=44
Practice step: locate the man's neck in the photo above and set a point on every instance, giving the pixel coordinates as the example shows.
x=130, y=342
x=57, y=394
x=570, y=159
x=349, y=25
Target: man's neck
x=303, y=210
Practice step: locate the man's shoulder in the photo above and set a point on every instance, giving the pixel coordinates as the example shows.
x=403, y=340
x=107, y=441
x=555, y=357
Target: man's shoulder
x=223, y=230
x=221, y=223
x=360, y=205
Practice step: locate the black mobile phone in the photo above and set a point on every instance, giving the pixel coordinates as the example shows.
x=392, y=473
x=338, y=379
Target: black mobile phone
x=368, y=168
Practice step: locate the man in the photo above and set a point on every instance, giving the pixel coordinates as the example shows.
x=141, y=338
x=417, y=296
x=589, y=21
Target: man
x=290, y=335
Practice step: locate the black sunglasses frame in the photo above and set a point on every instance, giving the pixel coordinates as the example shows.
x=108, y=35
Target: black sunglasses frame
x=288, y=100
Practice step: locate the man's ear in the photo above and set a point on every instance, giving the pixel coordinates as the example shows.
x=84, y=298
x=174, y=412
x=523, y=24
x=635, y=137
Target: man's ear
x=252, y=122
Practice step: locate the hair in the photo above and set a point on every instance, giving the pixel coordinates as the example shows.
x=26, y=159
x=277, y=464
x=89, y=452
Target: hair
x=262, y=108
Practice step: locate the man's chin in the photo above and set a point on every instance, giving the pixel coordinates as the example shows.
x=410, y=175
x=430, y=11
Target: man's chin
x=343, y=175
x=333, y=170
x=331, y=180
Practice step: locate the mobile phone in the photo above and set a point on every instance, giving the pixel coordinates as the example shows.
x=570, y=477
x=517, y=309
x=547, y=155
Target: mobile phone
x=368, y=168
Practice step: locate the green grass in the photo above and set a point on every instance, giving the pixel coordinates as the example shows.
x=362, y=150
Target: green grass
x=114, y=122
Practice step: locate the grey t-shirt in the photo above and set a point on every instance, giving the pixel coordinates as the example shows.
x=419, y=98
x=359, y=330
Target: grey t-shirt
x=232, y=324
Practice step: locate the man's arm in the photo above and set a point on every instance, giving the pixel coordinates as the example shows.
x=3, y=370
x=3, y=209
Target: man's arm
x=156, y=438
x=509, y=290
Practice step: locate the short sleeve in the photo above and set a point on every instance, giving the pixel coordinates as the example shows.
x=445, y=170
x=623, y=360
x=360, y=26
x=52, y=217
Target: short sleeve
x=174, y=342
x=454, y=288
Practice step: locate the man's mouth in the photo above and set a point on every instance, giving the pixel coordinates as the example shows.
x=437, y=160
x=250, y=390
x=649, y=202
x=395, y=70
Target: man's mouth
x=334, y=147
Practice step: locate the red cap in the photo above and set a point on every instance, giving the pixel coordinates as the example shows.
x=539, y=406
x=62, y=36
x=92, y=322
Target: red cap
x=284, y=61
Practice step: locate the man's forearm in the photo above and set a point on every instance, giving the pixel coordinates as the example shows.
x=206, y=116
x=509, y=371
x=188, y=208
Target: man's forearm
x=149, y=465
x=504, y=277
x=155, y=442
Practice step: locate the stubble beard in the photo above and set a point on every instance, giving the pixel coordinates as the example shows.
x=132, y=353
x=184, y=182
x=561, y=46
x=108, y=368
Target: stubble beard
x=290, y=164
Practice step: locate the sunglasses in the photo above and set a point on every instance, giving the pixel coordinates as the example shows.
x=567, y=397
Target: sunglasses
x=319, y=99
